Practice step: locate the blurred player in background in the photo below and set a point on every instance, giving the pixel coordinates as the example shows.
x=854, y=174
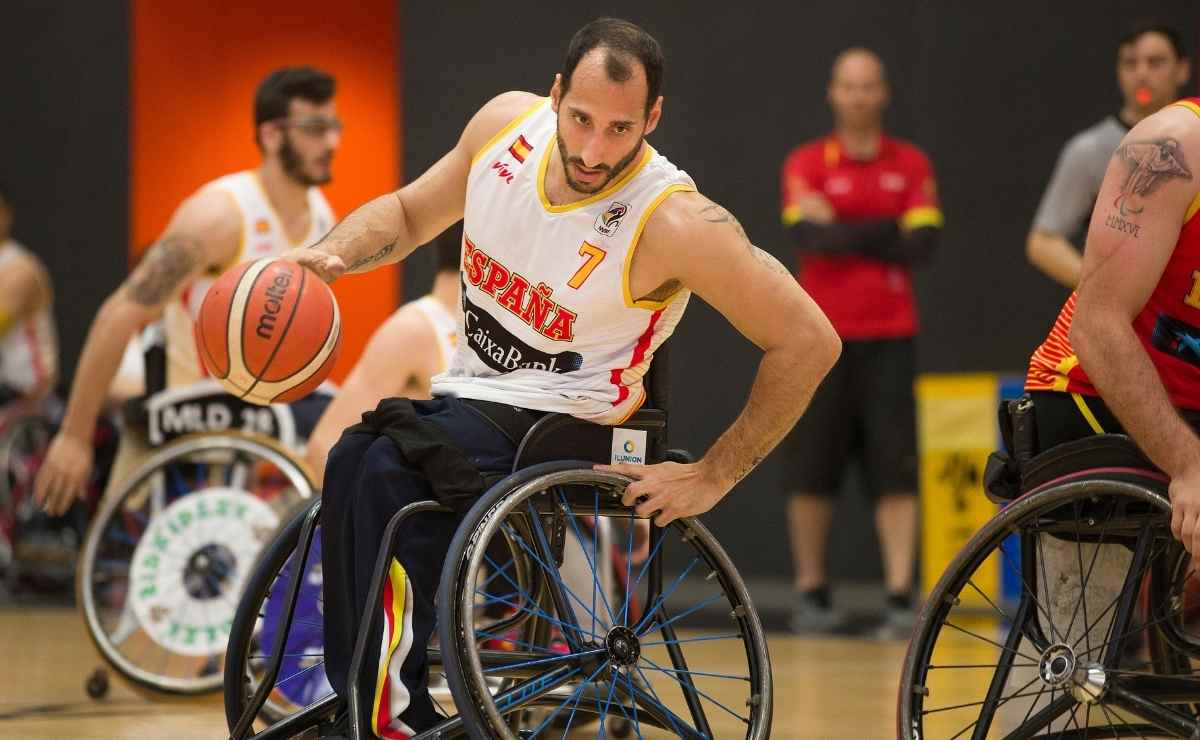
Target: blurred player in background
x=246, y=215
x=28, y=341
x=862, y=208
x=1152, y=66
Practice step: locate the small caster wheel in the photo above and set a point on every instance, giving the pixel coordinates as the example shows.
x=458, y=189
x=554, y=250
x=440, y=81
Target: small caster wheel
x=97, y=684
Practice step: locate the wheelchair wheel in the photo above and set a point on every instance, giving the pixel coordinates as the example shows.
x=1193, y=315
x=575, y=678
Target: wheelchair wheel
x=24, y=437
x=1040, y=625
x=581, y=656
x=301, y=681
x=164, y=561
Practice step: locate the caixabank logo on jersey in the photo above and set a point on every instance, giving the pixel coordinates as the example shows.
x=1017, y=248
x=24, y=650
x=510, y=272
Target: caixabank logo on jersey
x=608, y=222
x=498, y=347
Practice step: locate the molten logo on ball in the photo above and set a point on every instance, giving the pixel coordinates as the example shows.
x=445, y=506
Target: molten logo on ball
x=276, y=292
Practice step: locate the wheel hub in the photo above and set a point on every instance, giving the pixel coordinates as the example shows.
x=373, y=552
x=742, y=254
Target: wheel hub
x=1057, y=664
x=623, y=646
x=207, y=571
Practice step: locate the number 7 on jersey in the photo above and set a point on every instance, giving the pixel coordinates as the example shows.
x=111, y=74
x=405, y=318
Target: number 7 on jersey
x=594, y=256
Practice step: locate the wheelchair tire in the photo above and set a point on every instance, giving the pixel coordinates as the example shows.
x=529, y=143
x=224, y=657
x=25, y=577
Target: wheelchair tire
x=961, y=630
x=267, y=573
x=473, y=690
x=265, y=483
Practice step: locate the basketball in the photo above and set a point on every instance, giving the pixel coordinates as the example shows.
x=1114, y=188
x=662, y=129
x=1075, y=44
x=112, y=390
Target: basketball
x=269, y=331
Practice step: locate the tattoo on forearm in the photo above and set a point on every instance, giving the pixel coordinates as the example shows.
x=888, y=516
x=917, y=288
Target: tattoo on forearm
x=377, y=257
x=162, y=270
x=1150, y=164
x=715, y=214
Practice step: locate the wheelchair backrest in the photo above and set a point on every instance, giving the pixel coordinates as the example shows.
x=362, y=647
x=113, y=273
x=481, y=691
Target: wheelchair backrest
x=207, y=407
x=641, y=439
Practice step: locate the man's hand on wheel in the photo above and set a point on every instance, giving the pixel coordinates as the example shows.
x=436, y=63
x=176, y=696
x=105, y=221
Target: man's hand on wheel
x=62, y=480
x=668, y=491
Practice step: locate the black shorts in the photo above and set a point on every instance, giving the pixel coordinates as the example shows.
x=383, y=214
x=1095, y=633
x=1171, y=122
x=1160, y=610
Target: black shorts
x=864, y=411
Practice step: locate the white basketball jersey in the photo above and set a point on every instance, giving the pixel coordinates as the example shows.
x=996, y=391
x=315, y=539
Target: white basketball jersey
x=445, y=327
x=262, y=236
x=29, y=349
x=548, y=320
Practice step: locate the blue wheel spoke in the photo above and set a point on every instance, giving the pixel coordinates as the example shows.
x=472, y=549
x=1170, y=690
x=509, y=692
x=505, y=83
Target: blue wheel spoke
x=553, y=573
x=671, y=717
x=593, y=560
x=577, y=694
x=637, y=726
x=681, y=615
x=515, y=642
x=628, y=573
x=542, y=661
x=694, y=688
x=662, y=598
x=702, y=673
x=542, y=614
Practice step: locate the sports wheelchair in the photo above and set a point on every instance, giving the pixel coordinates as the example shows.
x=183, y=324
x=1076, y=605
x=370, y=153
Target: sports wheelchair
x=522, y=653
x=1098, y=635
x=170, y=547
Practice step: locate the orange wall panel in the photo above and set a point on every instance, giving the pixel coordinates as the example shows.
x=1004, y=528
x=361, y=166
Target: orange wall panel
x=195, y=66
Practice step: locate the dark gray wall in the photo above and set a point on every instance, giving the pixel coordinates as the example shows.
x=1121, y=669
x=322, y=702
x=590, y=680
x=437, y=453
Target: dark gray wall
x=989, y=90
x=64, y=73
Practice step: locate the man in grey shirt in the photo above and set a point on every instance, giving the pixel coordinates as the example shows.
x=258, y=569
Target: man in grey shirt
x=1151, y=68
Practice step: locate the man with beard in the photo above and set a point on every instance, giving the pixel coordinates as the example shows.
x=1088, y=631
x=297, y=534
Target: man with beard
x=581, y=248
x=246, y=215
x=1152, y=67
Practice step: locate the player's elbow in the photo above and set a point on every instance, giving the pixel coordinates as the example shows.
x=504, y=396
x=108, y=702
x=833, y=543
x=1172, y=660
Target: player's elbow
x=1035, y=249
x=818, y=342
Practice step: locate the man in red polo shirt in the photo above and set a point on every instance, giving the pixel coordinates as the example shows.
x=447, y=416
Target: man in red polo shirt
x=862, y=209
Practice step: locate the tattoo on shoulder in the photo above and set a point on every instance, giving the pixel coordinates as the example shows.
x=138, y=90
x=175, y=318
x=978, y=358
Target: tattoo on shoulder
x=377, y=257
x=715, y=214
x=1149, y=165
x=162, y=270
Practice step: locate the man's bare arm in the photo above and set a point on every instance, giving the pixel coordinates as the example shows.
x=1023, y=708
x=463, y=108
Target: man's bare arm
x=390, y=227
x=1146, y=192
x=704, y=248
x=1054, y=256
x=772, y=311
x=202, y=233
x=22, y=292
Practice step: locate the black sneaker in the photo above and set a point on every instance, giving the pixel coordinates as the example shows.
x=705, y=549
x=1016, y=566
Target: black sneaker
x=813, y=615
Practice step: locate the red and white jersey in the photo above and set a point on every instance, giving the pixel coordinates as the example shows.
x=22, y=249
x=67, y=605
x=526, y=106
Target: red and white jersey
x=29, y=349
x=548, y=321
x=262, y=236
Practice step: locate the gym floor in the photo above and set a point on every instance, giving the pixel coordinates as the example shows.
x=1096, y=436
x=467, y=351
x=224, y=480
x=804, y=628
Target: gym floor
x=823, y=688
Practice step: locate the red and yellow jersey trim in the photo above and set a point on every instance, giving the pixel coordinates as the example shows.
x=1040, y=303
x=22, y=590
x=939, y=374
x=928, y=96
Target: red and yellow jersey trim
x=915, y=218
x=507, y=130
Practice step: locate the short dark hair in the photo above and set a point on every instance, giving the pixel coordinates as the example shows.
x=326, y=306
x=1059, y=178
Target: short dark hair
x=1162, y=29
x=277, y=90
x=623, y=41
x=447, y=250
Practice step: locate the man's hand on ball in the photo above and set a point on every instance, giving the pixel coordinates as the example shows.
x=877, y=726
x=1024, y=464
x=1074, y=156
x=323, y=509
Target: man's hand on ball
x=328, y=267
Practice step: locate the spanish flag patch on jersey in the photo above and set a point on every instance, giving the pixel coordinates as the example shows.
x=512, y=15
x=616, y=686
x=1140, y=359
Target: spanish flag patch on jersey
x=520, y=149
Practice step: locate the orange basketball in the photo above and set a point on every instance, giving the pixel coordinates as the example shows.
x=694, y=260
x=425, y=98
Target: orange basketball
x=269, y=331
